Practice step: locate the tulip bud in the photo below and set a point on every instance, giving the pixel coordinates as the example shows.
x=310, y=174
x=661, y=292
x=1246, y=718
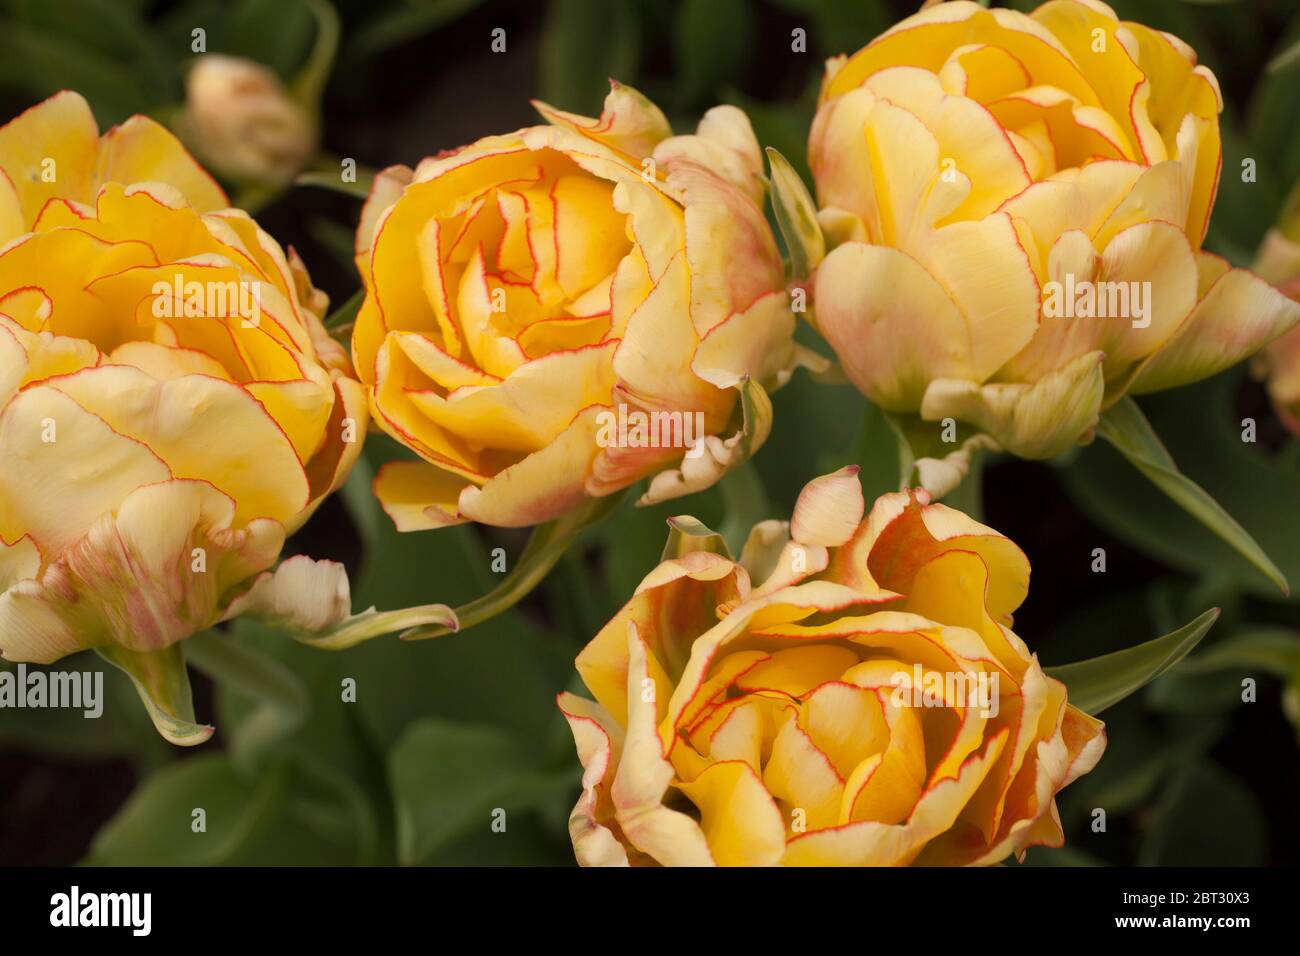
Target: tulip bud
x=244, y=123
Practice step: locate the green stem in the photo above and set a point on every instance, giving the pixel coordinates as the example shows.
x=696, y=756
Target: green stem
x=545, y=547
x=745, y=504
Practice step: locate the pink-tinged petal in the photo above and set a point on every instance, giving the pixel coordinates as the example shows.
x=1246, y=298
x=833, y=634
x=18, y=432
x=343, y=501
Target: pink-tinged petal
x=144, y=578
x=600, y=743
x=301, y=595
x=1236, y=315
x=829, y=509
x=629, y=123
x=1033, y=421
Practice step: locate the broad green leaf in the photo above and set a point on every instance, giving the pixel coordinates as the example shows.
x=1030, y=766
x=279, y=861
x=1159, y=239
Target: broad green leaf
x=452, y=780
x=505, y=671
x=1101, y=682
x=1126, y=428
x=271, y=819
x=882, y=454
x=156, y=826
x=796, y=216
x=43, y=60
x=1202, y=428
x=278, y=33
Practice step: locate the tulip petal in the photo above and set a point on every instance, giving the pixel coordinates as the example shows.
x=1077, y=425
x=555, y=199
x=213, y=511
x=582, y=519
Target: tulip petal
x=1032, y=421
x=1237, y=314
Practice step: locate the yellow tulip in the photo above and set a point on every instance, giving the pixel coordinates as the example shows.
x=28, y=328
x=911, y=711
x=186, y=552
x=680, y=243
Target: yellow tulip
x=1278, y=262
x=171, y=406
x=555, y=313
x=849, y=692
x=1016, y=206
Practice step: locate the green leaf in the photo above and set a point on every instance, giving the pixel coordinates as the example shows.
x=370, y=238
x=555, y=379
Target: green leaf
x=278, y=33
x=882, y=453
x=1211, y=680
x=796, y=215
x=546, y=545
x=42, y=61
x=268, y=820
x=1127, y=429
x=452, y=780
x=1101, y=682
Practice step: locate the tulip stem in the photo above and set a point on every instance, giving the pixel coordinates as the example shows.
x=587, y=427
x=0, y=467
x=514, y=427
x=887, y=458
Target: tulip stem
x=745, y=504
x=546, y=545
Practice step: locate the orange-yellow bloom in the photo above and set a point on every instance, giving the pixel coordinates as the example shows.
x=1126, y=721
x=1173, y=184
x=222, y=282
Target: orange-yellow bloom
x=171, y=406
x=1278, y=262
x=555, y=313
x=849, y=692
x=1017, y=205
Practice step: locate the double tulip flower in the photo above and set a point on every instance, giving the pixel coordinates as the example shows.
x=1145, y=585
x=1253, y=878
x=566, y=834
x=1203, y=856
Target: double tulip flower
x=172, y=406
x=975, y=168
